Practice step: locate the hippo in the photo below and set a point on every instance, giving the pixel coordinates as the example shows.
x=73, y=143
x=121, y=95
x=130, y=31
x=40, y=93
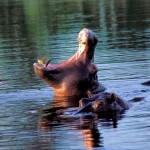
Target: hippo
x=102, y=102
x=76, y=75
x=146, y=83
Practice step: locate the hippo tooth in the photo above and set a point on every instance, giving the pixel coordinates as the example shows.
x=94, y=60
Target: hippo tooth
x=40, y=61
x=47, y=62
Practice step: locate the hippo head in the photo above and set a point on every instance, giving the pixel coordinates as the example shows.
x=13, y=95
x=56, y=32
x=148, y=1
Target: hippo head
x=108, y=103
x=70, y=77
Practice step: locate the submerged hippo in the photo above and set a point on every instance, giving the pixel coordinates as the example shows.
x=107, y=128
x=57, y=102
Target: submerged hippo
x=75, y=75
x=102, y=102
x=146, y=83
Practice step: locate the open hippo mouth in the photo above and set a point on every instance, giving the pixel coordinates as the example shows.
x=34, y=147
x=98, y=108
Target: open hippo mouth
x=82, y=58
x=77, y=61
x=75, y=75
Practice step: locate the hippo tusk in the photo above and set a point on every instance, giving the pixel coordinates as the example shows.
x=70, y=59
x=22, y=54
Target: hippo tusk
x=41, y=61
x=47, y=63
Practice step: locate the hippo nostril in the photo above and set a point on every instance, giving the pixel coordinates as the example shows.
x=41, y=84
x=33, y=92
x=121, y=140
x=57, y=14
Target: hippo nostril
x=47, y=62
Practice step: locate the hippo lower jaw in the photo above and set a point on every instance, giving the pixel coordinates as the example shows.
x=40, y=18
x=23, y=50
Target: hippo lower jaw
x=48, y=73
x=42, y=70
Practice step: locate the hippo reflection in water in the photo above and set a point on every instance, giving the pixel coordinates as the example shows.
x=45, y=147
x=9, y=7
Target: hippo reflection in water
x=76, y=75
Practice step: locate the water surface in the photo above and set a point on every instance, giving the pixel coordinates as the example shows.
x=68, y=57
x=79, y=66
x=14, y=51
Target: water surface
x=30, y=29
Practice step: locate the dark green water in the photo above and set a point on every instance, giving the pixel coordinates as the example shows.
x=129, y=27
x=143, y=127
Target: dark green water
x=30, y=29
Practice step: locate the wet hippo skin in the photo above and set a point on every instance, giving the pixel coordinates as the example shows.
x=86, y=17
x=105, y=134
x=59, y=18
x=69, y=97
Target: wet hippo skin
x=76, y=75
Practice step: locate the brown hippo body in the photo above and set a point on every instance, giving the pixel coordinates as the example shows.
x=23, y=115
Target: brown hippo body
x=76, y=75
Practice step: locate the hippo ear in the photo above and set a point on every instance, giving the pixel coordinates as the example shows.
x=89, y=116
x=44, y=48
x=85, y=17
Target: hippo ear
x=113, y=97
